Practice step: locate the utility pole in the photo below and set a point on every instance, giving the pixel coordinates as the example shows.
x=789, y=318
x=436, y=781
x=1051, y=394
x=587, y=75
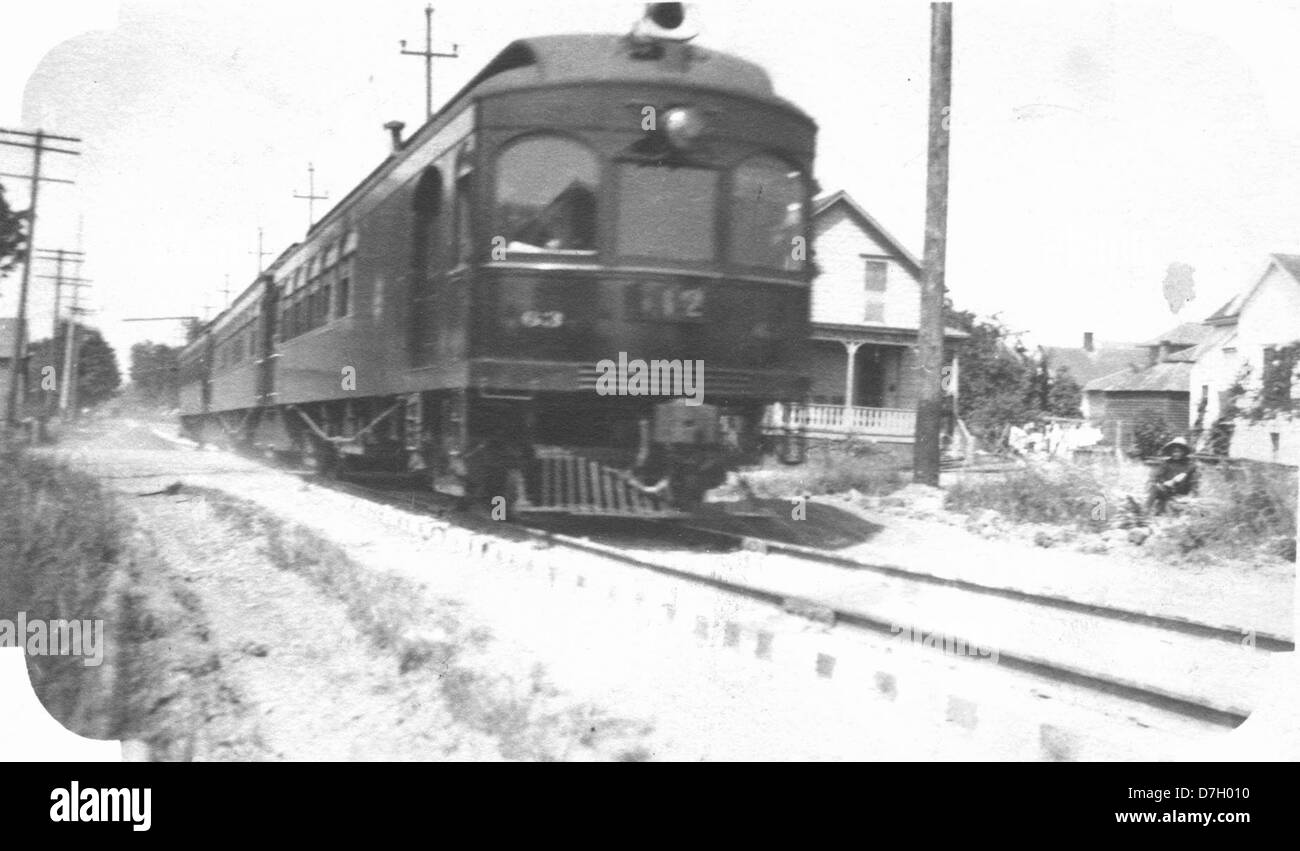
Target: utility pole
x=39, y=147
x=60, y=256
x=429, y=56
x=311, y=197
x=929, y=409
x=68, y=386
x=225, y=291
x=261, y=255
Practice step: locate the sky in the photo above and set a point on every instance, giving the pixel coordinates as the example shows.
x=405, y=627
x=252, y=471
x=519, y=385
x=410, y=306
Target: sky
x=1093, y=144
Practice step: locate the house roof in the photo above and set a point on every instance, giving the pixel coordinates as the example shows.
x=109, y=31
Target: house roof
x=826, y=202
x=1104, y=359
x=1194, y=353
x=1290, y=263
x=1226, y=315
x=1186, y=334
x=836, y=330
x=8, y=328
x=1163, y=377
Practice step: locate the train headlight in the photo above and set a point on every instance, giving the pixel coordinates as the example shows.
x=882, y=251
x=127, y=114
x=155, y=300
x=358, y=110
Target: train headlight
x=683, y=127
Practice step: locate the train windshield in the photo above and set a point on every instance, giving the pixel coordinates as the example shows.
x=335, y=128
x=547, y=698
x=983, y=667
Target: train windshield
x=546, y=196
x=767, y=215
x=666, y=212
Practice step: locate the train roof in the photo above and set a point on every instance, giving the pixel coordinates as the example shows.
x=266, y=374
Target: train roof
x=554, y=60
x=590, y=58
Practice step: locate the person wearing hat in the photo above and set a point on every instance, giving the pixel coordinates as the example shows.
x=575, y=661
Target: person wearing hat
x=1177, y=476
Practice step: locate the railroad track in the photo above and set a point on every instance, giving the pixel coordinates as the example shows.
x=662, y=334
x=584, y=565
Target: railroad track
x=1054, y=646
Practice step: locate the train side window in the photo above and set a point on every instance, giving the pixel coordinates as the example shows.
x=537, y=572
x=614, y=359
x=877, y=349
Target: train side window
x=326, y=288
x=344, y=288
x=464, y=204
x=767, y=213
x=546, y=195
x=428, y=208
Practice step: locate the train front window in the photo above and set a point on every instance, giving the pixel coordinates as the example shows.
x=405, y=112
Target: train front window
x=546, y=196
x=666, y=212
x=767, y=215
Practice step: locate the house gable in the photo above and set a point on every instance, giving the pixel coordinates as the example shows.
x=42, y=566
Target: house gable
x=1270, y=314
x=865, y=276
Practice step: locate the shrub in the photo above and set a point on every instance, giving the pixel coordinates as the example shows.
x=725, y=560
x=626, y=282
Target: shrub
x=1151, y=433
x=1245, y=506
x=1060, y=494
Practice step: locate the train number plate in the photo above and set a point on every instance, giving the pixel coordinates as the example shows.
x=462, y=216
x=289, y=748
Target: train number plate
x=668, y=302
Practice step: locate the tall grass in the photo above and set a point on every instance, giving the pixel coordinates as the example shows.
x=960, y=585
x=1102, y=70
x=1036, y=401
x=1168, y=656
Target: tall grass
x=1059, y=494
x=61, y=537
x=1244, y=505
x=1240, y=507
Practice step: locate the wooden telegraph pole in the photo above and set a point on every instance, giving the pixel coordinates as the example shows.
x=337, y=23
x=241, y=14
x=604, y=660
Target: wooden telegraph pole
x=929, y=409
x=39, y=146
x=311, y=197
x=429, y=56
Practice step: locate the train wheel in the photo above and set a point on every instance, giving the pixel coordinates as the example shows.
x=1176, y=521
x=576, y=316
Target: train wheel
x=320, y=457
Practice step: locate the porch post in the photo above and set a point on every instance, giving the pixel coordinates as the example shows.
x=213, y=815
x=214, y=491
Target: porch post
x=852, y=347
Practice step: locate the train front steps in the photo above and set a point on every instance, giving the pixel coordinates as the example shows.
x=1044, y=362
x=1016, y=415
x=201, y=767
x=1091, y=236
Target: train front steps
x=574, y=484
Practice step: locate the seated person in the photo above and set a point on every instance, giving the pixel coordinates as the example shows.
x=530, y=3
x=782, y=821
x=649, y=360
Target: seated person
x=1177, y=476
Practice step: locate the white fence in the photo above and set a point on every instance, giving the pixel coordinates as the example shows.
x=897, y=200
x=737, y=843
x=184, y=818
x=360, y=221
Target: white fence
x=839, y=420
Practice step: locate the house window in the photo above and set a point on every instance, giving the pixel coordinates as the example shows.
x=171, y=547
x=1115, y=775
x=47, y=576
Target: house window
x=877, y=275
x=874, y=312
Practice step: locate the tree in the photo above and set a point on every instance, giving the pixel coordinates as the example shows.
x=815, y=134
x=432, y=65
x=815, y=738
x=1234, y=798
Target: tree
x=1064, y=395
x=996, y=378
x=154, y=371
x=13, y=237
x=192, y=329
x=98, y=376
x=1001, y=384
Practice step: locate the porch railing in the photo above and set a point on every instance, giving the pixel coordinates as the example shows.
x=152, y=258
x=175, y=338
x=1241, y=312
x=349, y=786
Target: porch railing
x=839, y=420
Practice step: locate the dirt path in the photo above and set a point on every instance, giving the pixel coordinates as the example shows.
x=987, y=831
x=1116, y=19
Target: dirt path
x=317, y=688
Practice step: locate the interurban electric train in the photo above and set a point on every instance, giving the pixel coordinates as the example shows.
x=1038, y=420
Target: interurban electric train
x=583, y=200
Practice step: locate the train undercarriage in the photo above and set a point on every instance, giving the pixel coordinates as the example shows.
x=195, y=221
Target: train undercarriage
x=567, y=453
